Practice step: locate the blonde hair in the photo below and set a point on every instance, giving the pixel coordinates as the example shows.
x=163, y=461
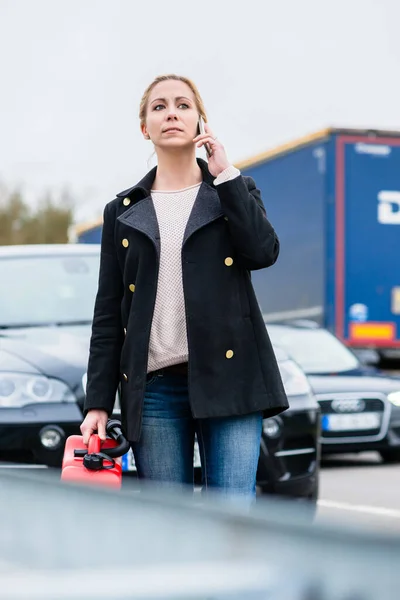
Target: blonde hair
x=145, y=98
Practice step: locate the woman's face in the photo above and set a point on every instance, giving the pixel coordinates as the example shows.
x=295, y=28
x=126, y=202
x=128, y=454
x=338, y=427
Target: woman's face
x=172, y=116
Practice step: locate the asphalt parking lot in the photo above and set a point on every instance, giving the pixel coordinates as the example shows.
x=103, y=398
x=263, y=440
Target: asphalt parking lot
x=358, y=489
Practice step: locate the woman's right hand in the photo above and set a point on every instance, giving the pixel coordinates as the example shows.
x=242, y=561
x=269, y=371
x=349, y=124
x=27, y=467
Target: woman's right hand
x=95, y=420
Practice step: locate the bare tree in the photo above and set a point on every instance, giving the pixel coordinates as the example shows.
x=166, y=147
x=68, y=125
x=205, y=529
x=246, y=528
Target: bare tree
x=47, y=224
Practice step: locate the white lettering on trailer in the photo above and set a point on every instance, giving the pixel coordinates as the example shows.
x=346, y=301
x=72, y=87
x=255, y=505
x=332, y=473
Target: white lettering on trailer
x=376, y=149
x=389, y=207
x=396, y=300
x=320, y=154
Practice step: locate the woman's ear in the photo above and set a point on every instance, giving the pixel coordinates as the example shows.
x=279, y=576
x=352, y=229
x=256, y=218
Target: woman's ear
x=144, y=132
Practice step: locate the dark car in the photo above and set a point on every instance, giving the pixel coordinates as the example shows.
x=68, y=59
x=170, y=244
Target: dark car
x=46, y=300
x=360, y=405
x=290, y=446
x=46, y=306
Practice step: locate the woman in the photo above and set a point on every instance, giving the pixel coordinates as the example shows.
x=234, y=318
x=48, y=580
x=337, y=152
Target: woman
x=176, y=321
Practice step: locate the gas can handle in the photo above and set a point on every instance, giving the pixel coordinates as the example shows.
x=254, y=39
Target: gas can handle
x=114, y=431
x=94, y=444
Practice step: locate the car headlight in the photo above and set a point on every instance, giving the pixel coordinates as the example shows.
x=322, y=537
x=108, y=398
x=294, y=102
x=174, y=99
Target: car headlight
x=17, y=389
x=84, y=382
x=294, y=380
x=272, y=427
x=394, y=398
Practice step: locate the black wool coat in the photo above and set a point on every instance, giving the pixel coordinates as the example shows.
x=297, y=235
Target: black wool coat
x=232, y=366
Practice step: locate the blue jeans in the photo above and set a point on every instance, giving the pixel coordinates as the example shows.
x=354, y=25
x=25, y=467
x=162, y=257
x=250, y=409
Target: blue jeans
x=229, y=446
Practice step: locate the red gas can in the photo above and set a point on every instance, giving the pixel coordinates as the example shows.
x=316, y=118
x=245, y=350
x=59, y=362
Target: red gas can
x=99, y=463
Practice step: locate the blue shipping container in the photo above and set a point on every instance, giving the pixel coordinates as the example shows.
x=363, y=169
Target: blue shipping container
x=334, y=199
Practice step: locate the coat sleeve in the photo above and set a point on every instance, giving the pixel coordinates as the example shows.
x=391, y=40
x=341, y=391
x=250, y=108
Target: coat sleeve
x=107, y=333
x=253, y=235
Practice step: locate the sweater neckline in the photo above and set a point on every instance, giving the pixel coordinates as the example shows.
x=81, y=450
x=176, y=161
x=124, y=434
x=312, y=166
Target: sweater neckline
x=191, y=187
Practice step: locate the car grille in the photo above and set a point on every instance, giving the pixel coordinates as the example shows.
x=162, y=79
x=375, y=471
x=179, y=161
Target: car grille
x=298, y=442
x=295, y=454
x=372, y=405
x=301, y=465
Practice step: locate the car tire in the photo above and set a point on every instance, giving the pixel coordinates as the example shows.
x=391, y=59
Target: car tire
x=390, y=456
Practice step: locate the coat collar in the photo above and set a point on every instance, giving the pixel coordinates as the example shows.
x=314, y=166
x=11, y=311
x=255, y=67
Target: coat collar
x=145, y=184
x=142, y=215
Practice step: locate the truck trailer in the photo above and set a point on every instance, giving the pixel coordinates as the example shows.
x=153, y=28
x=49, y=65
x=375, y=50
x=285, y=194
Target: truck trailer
x=333, y=198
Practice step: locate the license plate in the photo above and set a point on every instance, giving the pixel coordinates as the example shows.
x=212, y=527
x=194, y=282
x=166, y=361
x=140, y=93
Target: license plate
x=128, y=460
x=196, y=456
x=351, y=422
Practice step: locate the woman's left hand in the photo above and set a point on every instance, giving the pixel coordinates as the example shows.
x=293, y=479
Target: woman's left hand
x=218, y=160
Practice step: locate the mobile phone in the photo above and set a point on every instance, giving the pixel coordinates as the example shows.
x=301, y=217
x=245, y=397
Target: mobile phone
x=201, y=131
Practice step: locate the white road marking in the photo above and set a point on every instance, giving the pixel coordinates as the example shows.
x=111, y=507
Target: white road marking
x=360, y=508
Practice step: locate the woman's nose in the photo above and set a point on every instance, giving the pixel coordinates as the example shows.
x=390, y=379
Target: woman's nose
x=171, y=115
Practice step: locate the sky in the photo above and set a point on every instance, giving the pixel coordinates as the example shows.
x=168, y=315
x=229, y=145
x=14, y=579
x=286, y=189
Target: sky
x=73, y=73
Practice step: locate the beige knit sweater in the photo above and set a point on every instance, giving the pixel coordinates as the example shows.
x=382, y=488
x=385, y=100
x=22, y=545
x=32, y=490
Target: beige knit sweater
x=168, y=339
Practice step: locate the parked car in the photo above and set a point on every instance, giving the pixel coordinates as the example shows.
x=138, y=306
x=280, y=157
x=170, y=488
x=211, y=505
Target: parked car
x=46, y=302
x=290, y=444
x=46, y=305
x=360, y=405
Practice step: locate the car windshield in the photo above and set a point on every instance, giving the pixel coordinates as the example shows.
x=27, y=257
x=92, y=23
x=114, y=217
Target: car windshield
x=44, y=290
x=315, y=350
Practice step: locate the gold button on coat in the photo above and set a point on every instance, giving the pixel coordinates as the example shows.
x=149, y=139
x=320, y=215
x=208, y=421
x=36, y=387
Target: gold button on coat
x=229, y=261
x=132, y=287
x=226, y=218
x=125, y=376
x=229, y=354
x=126, y=202
x=125, y=243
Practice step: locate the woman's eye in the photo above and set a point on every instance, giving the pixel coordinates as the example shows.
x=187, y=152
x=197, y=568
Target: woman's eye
x=158, y=106
x=184, y=105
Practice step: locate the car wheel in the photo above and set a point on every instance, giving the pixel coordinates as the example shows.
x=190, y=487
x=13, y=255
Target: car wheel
x=390, y=456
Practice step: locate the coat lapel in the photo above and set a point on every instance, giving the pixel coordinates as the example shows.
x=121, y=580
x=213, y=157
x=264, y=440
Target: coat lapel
x=207, y=208
x=142, y=215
